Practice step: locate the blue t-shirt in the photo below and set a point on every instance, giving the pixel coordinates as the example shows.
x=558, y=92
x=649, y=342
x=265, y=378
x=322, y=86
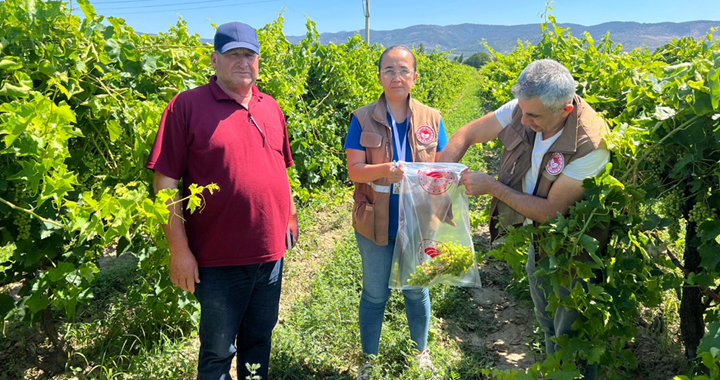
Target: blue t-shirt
x=353, y=142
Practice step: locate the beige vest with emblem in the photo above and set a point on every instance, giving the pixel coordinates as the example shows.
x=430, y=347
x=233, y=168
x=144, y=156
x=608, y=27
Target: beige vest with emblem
x=583, y=133
x=371, y=207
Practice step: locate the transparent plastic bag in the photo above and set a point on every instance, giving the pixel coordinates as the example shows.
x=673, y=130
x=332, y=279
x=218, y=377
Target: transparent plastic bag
x=428, y=250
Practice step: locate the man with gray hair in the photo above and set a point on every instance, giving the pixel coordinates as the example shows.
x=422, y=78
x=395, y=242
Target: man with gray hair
x=553, y=140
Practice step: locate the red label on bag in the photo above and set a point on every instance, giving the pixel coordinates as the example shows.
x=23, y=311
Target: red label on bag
x=429, y=247
x=425, y=134
x=436, y=181
x=556, y=163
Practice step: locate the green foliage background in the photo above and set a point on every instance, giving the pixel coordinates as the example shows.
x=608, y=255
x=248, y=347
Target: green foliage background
x=80, y=101
x=80, y=104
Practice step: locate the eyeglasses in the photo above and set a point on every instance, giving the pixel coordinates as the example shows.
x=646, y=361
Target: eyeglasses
x=392, y=73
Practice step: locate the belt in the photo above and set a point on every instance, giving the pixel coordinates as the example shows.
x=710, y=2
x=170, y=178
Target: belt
x=379, y=188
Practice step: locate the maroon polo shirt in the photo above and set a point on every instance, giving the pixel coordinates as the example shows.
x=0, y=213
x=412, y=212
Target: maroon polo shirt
x=207, y=137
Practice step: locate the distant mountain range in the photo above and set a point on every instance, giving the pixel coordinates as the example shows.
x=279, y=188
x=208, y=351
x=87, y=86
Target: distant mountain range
x=466, y=38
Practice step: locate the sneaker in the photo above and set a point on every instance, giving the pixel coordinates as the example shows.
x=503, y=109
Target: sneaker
x=364, y=372
x=424, y=361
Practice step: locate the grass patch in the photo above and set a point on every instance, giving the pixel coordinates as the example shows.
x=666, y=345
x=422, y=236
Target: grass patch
x=466, y=109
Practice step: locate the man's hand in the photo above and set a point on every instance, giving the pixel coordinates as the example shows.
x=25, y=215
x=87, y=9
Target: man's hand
x=293, y=224
x=184, y=270
x=476, y=183
x=183, y=266
x=396, y=173
x=294, y=227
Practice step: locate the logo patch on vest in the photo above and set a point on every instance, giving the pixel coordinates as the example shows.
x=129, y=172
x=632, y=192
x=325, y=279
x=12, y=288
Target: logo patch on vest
x=436, y=181
x=425, y=134
x=429, y=247
x=556, y=164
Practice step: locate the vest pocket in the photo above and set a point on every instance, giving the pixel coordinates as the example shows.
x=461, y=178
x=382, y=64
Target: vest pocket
x=376, y=149
x=370, y=140
x=364, y=216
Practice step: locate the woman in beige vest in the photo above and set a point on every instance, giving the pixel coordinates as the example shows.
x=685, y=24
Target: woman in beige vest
x=394, y=128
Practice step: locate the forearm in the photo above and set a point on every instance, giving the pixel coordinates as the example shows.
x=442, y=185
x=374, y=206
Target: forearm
x=455, y=149
x=536, y=208
x=478, y=131
x=183, y=265
x=293, y=223
x=293, y=208
x=364, y=173
x=175, y=227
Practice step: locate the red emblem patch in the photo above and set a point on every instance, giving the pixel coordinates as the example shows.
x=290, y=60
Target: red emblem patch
x=429, y=247
x=425, y=134
x=436, y=181
x=556, y=164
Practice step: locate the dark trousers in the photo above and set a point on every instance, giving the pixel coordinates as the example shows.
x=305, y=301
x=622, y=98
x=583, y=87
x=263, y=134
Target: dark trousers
x=238, y=311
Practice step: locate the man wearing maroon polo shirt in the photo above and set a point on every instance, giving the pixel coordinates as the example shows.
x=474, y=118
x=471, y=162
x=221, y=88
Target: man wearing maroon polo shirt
x=230, y=255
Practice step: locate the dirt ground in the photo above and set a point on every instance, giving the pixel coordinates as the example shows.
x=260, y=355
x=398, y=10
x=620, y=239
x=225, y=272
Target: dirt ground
x=509, y=333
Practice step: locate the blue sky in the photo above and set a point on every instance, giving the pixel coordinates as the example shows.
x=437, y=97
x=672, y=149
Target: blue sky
x=152, y=16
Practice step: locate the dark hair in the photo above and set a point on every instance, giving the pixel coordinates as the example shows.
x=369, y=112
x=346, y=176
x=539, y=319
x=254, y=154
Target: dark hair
x=399, y=47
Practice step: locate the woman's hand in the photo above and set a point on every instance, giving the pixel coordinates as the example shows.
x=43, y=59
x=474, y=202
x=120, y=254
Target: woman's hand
x=395, y=173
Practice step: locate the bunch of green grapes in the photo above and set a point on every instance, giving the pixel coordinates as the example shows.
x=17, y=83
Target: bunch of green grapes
x=658, y=153
x=22, y=221
x=701, y=212
x=94, y=166
x=655, y=163
x=452, y=259
x=672, y=205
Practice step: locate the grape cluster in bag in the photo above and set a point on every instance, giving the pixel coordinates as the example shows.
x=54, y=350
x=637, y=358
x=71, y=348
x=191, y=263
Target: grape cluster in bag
x=434, y=242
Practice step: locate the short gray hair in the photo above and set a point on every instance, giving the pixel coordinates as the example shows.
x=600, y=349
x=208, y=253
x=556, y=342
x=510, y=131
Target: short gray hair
x=548, y=80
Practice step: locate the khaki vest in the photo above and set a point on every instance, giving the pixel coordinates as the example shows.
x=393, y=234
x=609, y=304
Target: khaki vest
x=583, y=133
x=371, y=208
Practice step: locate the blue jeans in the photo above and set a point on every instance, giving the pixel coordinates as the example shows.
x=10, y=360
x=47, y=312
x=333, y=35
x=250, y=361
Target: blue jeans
x=561, y=323
x=238, y=311
x=377, y=263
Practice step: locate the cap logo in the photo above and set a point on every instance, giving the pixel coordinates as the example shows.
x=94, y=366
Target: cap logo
x=436, y=181
x=425, y=134
x=556, y=164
